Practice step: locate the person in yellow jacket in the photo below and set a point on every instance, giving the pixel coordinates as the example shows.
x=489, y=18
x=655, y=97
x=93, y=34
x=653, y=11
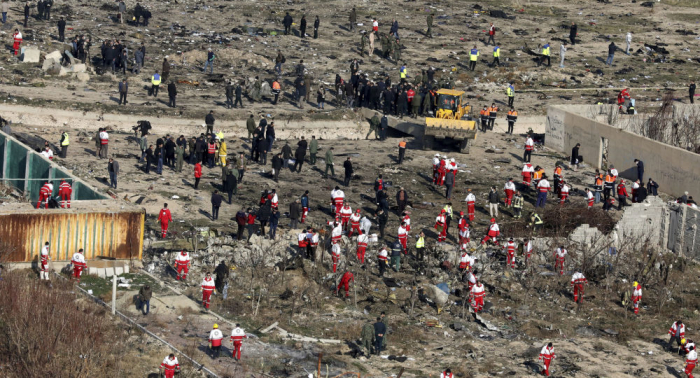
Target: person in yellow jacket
x=222, y=151
x=496, y=56
x=65, y=141
x=473, y=56
x=155, y=83
x=546, y=55
x=420, y=246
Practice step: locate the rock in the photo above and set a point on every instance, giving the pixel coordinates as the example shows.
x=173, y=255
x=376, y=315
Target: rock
x=588, y=331
x=457, y=326
x=82, y=76
x=31, y=54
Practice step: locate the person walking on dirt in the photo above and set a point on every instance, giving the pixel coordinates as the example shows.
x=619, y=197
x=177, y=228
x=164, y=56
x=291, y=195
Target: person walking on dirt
x=368, y=338
x=546, y=356
x=237, y=336
x=169, y=366
x=215, y=338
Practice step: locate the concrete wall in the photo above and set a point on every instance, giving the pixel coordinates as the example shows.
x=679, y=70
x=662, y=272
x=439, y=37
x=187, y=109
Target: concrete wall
x=684, y=236
x=26, y=170
x=674, y=169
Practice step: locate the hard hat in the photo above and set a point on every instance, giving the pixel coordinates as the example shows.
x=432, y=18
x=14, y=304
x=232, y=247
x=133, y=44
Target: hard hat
x=216, y=326
x=437, y=154
x=358, y=210
x=452, y=160
x=682, y=341
x=635, y=284
x=493, y=220
x=461, y=213
x=443, y=211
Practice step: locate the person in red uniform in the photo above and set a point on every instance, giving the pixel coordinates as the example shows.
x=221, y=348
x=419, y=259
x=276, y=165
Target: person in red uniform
x=355, y=223
x=621, y=195
x=440, y=226
x=45, y=195
x=510, y=247
x=471, y=200
x=45, y=256
x=65, y=190
x=362, y=240
x=17, y=38
x=237, y=336
x=403, y=236
x=208, y=287
x=345, y=283
x=169, y=366
x=577, y=281
x=476, y=295
x=215, y=338
x=164, y=217
x=442, y=171
x=197, y=174
x=546, y=356
x=447, y=374
x=345, y=214
x=182, y=264
x=78, y=262
x=463, y=226
x=690, y=361
x=493, y=232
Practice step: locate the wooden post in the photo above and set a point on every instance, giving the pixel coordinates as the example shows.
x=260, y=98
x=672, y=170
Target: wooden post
x=400, y=373
x=320, y=355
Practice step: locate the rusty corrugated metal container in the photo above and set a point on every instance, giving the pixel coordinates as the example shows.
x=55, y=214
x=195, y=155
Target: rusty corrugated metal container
x=113, y=233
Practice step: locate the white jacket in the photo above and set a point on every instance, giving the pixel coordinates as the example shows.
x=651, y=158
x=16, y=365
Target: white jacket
x=215, y=334
x=470, y=198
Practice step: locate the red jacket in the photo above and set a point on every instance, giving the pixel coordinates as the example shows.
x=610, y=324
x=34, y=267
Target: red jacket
x=622, y=190
x=164, y=216
x=251, y=218
x=197, y=170
x=347, y=278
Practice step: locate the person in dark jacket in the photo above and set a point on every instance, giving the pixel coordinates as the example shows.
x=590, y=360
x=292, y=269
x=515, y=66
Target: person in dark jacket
x=239, y=96
x=274, y=221
x=294, y=214
x=123, y=91
x=286, y=154
x=145, y=294
x=229, y=95
x=231, y=185
x=574, y=156
x=172, y=94
x=264, y=216
x=241, y=223
x=299, y=156
x=61, y=29
x=494, y=199
x=287, y=22
x=379, y=334
x=27, y=12
x=573, y=32
x=170, y=152
x=652, y=187
x=222, y=272
x=262, y=150
x=302, y=27
x=317, y=22
x=382, y=218
x=150, y=158
x=270, y=135
x=209, y=121
x=691, y=91
x=396, y=251
x=276, y=166
x=449, y=184
x=200, y=149
x=215, y=204
x=640, y=170
x=611, y=53
x=348, y=171
x=401, y=200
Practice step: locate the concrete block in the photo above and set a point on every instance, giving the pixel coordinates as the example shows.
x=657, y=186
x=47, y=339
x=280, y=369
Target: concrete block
x=101, y=273
x=62, y=71
x=126, y=268
x=118, y=270
x=92, y=271
x=109, y=272
x=82, y=76
x=48, y=63
x=78, y=68
x=31, y=55
x=56, y=55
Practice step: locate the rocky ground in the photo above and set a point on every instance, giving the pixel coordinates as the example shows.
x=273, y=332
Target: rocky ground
x=525, y=307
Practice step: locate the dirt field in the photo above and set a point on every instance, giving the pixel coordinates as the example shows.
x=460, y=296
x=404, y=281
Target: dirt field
x=526, y=307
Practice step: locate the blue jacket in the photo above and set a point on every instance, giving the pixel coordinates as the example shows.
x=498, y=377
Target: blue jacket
x=210, y=56
x=274, y=219
x=304, y=201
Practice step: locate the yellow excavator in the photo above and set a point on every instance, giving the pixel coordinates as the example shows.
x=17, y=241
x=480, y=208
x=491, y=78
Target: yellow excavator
x=452, y=121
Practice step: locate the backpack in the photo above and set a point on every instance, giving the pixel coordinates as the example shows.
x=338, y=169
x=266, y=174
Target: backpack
x=240, y=218
x=284, y=59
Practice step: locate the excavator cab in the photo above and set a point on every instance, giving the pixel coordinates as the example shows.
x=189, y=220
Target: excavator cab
x=450, y=104
x=451, y=121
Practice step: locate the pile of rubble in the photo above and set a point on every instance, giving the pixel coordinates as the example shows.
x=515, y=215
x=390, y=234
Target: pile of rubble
x=58, y=64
